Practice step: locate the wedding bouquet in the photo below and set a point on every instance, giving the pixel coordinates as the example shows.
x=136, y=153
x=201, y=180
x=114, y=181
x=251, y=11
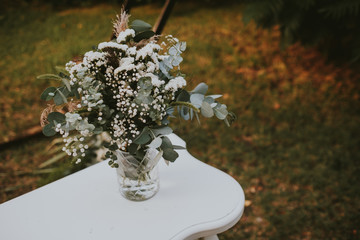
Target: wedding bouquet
x=126, y=91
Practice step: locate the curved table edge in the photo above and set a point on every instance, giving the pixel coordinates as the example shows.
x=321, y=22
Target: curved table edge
x=216, y=226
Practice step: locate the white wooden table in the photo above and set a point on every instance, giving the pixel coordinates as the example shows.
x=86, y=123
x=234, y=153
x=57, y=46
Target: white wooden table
x=195, y=200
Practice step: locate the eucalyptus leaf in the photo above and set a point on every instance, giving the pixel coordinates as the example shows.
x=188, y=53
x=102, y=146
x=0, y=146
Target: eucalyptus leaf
x=164, y=69
x=165, y=121
x=66, y=83
x=113, y=147
x=60, y=91
x=178, y=147
x=61, y=69
x=206, y=110
x=45, y=95
x=75, y=93
x=65, y=92
x=145, y=83
x=221, y=112
x=49, y=76
x=143, y=35
x=197, y=118
x=58, y=99
x=173, y=51
x=162, y=131
x=144, y=136
x=184, y=113
x=215, y=96
x=213, y=104
x=170, y=110
x=140, y=26
x=170, y=155
x=168, y=62
x=155, y=143
x=197, y=99
x=166, y=143
x=184, y=96
x=182, y=46
x=57, y=117
x=133, y=148
x=209, y=100
x=201, y=88
x=176, y=61
x=230, y=118
x=49, y=130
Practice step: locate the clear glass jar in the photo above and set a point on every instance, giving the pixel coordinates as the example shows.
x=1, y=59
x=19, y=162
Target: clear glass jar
x=138, y=181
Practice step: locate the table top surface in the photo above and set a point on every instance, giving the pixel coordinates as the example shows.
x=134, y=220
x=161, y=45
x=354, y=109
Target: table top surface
x=195, y=200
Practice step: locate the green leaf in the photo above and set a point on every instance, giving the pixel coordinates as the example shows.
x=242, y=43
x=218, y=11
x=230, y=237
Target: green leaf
x=206, y=110
x=184, y=96
x=209, y=100
x=60, y=97
x=113, y=147
x=162, y=131
x=75, y=92
x=133, y=148
x=140, y=26
x=57, y=117
x=166, y=143
x=49, y=130
x=140, y=154
x=66, y=83
x=197, y=99
x=155, y=143
x=221, y=112
x=178, y=147
x=230, y=118
x=145, y=83
x=49, y=76
x=143, y=35
x=215, y=96
x=61, y=69
x=201, y=88
x=63, y=93
x=144, y=136
x=184, y=113
x=170, y=155
x=45, y=95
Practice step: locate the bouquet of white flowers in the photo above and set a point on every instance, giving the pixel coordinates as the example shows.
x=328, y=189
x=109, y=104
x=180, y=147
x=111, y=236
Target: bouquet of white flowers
x=128, y=88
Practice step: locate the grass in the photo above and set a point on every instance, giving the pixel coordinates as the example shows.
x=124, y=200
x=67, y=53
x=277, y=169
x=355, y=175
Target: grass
x=294, y=147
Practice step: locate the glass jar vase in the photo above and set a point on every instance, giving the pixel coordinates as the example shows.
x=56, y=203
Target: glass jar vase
x=138, y=180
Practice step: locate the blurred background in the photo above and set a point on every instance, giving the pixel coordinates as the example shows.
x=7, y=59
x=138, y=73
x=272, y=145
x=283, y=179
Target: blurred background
x=288, y=69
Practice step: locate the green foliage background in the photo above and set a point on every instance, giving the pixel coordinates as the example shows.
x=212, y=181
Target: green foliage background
x=333, y=26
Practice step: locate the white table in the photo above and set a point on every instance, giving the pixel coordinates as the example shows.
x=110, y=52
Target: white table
x=195, y=200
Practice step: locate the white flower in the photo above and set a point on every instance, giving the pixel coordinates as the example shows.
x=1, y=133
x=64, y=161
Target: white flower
x=103, y=45
x=125, y=64
x=124, y=35
x=131, y=51
x=148, y=50
x=71, y=117
x=155, y=81
x=175, y=83
x=91, y=57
